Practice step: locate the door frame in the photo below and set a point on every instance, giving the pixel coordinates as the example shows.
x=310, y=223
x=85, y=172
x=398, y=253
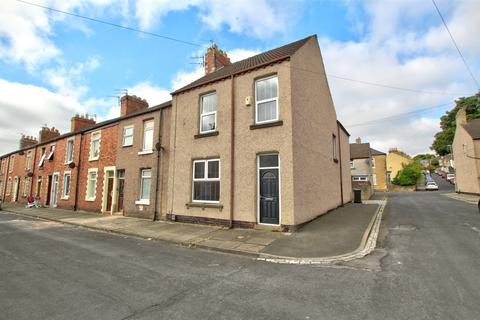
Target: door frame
x=54, y=205
x=16, y=188
x=279, y=188
x=109, y=172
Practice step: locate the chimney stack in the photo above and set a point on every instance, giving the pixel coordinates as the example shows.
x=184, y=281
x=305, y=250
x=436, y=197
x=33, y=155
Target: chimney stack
x=47, y=134
x=132, y=104
x=358, y=140
x=27, y=141
x=215, y=59
x=79, y=122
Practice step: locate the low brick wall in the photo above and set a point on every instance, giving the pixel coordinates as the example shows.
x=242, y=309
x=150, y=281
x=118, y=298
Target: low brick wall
x=395, y=188
x=365, y=186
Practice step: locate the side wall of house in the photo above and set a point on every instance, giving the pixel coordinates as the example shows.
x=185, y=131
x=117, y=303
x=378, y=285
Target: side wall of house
x=395, y=163
x=381, y=173
x=346, y=175
x=315, y=171
x=467, y=169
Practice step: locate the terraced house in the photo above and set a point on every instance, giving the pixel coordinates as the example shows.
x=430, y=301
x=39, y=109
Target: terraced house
x=254, y=143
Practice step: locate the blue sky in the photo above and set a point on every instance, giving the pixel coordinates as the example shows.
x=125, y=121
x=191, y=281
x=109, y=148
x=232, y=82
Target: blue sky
x=53, y=65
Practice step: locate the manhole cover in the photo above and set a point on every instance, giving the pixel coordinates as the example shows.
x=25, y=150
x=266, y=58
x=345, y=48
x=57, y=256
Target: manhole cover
x=404, y=227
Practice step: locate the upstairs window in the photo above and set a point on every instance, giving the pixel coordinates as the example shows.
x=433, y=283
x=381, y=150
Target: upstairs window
x=266, y=100
x=206, y=180
x=52, y=151
x=95, y=146
x=69, y=155
x=28, y=160
x=127, y=136
x=42, y=158
x=12, y=164
x=208, y=113
x=148, y=136
x=373, y=163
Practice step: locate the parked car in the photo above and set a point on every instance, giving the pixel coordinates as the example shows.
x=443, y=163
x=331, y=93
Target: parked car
x=453, y=180
x=441, y=174
x=450, y=176
x=432, y=185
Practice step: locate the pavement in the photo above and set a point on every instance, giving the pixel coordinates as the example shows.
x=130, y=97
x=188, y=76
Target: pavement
x=425, y=266
x=340, y=232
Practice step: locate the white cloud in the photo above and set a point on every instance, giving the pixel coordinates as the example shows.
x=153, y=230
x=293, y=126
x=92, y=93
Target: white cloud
x=259, y=18
x=25, y=108
x=152, y=93
x=396, y=50
x=182, y=78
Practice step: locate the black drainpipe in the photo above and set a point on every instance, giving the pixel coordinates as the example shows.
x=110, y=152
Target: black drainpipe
x=340, y=164
x=232, y=153
x=158, y=148
x=75, y=206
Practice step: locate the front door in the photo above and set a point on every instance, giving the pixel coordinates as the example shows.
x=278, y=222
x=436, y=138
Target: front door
x=269, y=186
x=53, y=196
x=109, y=194
x=49, y=190
x=16, y=186
x=121, y=187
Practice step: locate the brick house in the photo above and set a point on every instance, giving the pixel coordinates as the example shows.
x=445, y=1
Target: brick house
x=257, y=142
x=362, y=168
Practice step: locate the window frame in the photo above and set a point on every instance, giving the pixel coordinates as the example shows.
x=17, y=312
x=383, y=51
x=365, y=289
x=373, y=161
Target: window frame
x=374, y=179
x=51, y=155
x=257, y=102
x=66, y=196
x=147, y=151
x=12, y=164
x=359, y=178
x=98, y=134
x=9, y=186
x=28, y=160
x=142, y=180
x=206, y=179
x=87, y=197
x=125, y=128
x=67, y=160
x=207, y=113
x=373, y=163
x=25, y=186
x=38, y=187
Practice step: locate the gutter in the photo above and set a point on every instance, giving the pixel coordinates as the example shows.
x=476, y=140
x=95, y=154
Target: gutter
x=159, y=148
x=340, y=163
x=232, y=152
x=75, y=205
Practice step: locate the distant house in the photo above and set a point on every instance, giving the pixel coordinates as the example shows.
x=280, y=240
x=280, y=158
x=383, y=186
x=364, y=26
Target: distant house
x=362, y=168
x=446, y=163
x=396, y=160
x=379, y=166
x=466, y=152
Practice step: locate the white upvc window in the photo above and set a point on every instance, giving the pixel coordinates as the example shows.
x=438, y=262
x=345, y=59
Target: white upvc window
x=91, y=184
x=148, y=136
x=67, y=179
x=127, y=136
x=95, y=139
x=145, y=184
x=28, y=160
x=360, y=178
x=352, y=165
x=266, y=100
x=42, y=158
x=206, y=181
x=374, y=179
x=334, y=147
x=12, y=164
x=38, y=191
x=26, y=181
x=52, y=151
x=373, y=163
x=208, y=113
x=69, y=154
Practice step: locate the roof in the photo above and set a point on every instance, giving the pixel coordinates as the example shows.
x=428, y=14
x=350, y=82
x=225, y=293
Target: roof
x=265, y=58
x=360, y=150
x=473, y=128
x=96, y=126
x=377, y=153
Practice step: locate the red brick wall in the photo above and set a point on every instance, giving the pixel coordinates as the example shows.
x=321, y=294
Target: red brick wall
x=108, y=153
x=18, y=170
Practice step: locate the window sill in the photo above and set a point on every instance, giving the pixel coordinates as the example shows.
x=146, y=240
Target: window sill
x=204, y=205
x=144, y=202
x=140, y=153
x=65, y=198
x=127, y=145
x=266, y=125
x=90, y=199
x=93, y=159
x=206, y=134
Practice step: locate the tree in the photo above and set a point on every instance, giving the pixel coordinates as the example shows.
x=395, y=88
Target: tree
x=409, y=175
x=426, y=156
x=444, y=139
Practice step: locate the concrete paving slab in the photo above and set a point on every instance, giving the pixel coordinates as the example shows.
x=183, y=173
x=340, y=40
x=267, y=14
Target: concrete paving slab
x=252, y=248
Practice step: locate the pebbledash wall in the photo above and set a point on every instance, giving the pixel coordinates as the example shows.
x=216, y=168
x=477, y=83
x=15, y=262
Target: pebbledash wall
x=311, y=145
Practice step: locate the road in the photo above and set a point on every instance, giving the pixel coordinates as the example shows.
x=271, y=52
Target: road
x=426, y=266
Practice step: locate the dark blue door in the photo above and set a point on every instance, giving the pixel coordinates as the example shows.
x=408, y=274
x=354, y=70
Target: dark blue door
x=269, y=202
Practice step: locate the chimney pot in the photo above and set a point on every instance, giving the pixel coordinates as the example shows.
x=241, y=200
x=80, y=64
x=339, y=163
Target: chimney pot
x=215, y=59
x=358, y=140
x=131, y=104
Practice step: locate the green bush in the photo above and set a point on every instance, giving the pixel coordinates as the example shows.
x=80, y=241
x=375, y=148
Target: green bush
x=409, y=175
